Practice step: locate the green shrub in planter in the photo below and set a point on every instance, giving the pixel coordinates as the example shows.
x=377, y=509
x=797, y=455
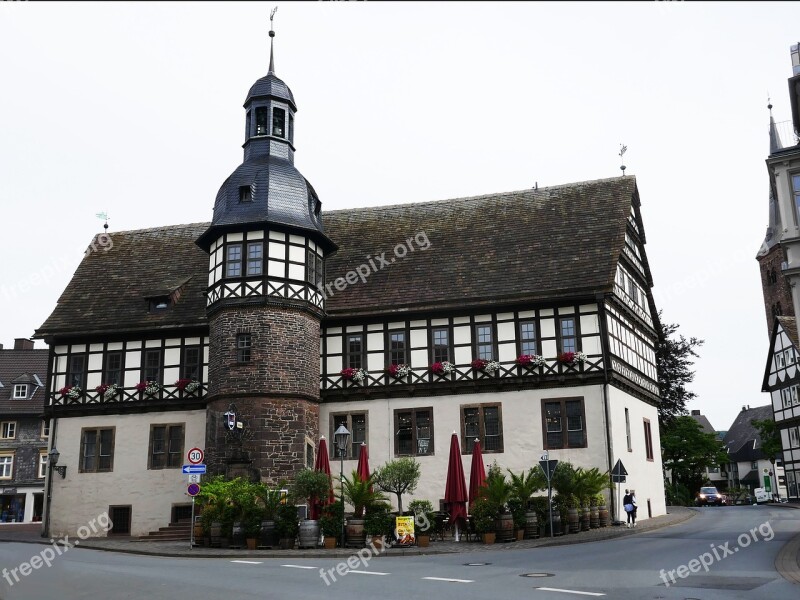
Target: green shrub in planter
x=379, y=521
x=286, y=524
x=330, y=521
x=483, y=515
x=424, y=517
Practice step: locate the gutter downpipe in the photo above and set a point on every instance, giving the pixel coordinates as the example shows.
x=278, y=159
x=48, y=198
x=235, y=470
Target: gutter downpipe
x=606, y=366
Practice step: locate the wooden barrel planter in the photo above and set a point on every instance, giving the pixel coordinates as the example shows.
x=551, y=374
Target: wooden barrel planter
x=309, y=534
x=594, y=517
x=585, y=518
x=266, y=538
x=574, y=520
x=198, y=533
x=557, y=524
x=237, y=535
x=504, y=528
x=216, y=534
x=356, y=537
x=531, y=526
x=605, y=521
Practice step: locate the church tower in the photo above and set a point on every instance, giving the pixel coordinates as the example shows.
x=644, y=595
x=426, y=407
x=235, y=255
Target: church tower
x=267, y=251
x=779, y=255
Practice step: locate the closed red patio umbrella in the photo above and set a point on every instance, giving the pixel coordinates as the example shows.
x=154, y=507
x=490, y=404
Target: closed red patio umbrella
x=323, y=465
x=455, y=491
x=363, y=463
x=477, y=472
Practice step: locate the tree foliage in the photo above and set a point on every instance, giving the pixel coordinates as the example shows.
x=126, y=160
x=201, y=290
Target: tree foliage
x=674, y=364
x=687, y=451
x=770, y=438
x=398, y=477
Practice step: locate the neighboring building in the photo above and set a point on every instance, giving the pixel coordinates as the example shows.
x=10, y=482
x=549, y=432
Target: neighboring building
x=749, y=467
x=714, y=475
x=265, y=308
x=779, y=259
x=23, y=432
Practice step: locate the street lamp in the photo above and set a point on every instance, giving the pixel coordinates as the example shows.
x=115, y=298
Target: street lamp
x=52, y=460
x=341, y=437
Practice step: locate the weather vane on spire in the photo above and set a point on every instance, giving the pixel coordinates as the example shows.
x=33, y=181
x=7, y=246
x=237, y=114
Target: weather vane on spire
x=622, y=150
x=271, y=37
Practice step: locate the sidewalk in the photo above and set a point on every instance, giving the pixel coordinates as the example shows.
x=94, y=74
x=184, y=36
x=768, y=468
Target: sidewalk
x=31, y=533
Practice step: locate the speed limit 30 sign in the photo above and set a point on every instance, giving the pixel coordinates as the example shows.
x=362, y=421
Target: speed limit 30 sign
x=195, y=456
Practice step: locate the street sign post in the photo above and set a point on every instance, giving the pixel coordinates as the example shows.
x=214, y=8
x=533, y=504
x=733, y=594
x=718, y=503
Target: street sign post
x=549, y=467
x=193, y=478
x=193, y=489
x=188, y=469
x=195, y=456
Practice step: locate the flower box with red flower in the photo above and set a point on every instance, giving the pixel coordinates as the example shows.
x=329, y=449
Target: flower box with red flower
x=187, y=385
x=399, y=371
x=354, y=375
x=531, y=360
x=108, y=391
x=150, y=388
x=73, y=392
x=489, y=367
x=570, y=358
x=443, y=369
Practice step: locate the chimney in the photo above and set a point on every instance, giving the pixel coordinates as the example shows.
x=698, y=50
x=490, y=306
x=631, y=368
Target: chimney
x=23, y=344
x=744, y=409
x=1, y=346
x=695, y=413
x=795, y=52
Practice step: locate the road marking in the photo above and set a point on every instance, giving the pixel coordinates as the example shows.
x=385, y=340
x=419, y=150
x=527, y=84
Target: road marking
x=545, y=589
x=369, y=572
x=298, y=567
x=247, y=562
x=450, y=580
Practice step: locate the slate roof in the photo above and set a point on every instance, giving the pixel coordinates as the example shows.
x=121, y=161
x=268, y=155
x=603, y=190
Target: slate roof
x=789, y=325
x=704, y=423
x=109, y=290
x=23, y=366
x=532, y=245
x=528, y=245
x=742, y=440
x=271, y=85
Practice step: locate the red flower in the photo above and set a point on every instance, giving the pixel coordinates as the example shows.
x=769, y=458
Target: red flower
x=102, y=388
x=479, y=363
x=348, y=373
x=182, y=383
x=65, y=390
x=437, y=368
x=141, y=385
x=524, y=359
x=566, y=357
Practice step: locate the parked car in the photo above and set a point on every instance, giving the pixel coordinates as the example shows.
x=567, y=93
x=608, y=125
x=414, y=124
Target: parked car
x=762, y=496
x=710, y=495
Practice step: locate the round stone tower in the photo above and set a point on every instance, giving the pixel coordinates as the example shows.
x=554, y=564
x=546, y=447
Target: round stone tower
x=267, y=252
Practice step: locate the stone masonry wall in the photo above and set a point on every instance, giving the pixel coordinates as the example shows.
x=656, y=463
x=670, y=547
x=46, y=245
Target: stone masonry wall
x=778, y=292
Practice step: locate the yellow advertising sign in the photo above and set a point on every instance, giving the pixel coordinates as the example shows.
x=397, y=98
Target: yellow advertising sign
x=404, y=528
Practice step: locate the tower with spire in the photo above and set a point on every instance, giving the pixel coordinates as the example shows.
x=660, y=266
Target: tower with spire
x=779, y=255
x=264, y=300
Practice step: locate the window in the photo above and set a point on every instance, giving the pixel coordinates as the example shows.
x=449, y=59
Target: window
x=628, y=429
x=648, y=440
x=563, y=423
x=255, y=258
x=780, y=360
x=796, y=191
x=6, y=466
x=314, y=274
x=441, y=344
x=754, y=465
x=166, y=446
x=152, y=366
x=20, y=390
x=278, y=122
x=75, y=374
x=397, y=348
x=309, y=455
x=484, y=344
x=45, y=429
x=794, y=437
x=245, y=193
x=8, y=430
x=413, y=432
x=527, y=337
x=355, y=351
x=113, y=370
x=190, y=363
x=243, y=346
x=233, y=265
x=291, y=127
x=567, y=334
x=356, y=424
x=42, y=464
x=262, y=120
x=484, y=422
x=97, y=450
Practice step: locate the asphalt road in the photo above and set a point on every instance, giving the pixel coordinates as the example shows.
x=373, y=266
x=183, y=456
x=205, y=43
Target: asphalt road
x=738, y=544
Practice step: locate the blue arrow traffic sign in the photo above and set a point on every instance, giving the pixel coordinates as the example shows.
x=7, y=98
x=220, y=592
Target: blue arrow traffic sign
x=194, y=469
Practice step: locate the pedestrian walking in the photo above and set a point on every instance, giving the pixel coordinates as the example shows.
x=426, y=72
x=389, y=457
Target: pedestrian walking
x=629, y=504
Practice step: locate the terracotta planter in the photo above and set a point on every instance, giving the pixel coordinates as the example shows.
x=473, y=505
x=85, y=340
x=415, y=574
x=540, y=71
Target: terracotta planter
x=377, y=542
x=423, y=541
x=329, y=542
x=252, y=543
x=487, y=538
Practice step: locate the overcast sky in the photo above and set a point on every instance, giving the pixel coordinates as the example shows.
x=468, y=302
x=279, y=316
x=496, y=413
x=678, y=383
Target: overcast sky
x=136, y=110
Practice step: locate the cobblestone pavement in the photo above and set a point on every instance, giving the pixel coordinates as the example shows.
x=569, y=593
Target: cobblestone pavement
x=31, y=533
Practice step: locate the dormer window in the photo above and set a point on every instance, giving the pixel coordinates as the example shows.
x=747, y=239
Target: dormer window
x=159, y=304
x=245, y=193
x=262, y=120
x=20, y=391
x=291, y=127
x=278, y=122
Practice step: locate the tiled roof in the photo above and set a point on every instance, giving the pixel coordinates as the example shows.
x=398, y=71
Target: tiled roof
x=110, y=288
x=528, y=245
x=741, y=436
x=544, y=244
x=705, y=424
x=789, y=325
x=22, y=366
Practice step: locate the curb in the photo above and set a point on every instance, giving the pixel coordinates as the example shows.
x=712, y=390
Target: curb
x=787, y=563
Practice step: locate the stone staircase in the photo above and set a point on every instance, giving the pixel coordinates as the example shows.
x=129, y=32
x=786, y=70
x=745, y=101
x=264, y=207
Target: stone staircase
x=174, y=532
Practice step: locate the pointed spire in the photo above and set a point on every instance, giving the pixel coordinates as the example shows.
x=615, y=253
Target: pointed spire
x=271, y=39
x=774, y=138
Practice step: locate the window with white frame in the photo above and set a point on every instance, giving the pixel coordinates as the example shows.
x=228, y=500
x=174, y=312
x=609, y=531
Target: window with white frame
x=8, y=430
x=6, y=466
x=796, y=191
x=794, y=437
x=42, y=464
x=45, y=429
x=780, y=361
x=20, y=390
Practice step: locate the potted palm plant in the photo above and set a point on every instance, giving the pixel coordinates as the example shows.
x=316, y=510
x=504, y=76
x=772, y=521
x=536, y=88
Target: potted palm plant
x=497, y=491
x=523, y=487
x=270, y=499
x=361, y=495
